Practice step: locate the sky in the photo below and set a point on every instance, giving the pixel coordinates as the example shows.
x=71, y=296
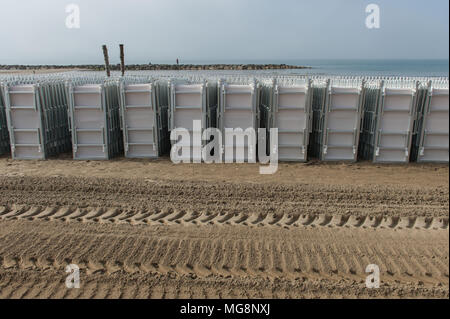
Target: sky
x=159, y=31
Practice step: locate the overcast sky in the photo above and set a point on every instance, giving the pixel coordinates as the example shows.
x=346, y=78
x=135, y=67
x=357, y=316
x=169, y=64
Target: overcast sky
x=34, y=31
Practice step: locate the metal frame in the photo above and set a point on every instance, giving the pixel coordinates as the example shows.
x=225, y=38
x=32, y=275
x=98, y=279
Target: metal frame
x=127, y=89
x=406, y=147
x=4, y=134
x=372, y=95
x=229, y=87
x=427, y=114
x=270, y=101
x=205, y=111
x=319, y=100
x=109, y=129
x=49, y=105
x=355, y=113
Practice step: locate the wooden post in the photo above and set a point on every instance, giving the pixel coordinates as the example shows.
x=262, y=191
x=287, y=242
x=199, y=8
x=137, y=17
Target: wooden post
x=105, y=55
x=122, y=60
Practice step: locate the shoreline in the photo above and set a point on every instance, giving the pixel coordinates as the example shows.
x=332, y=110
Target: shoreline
x=150, y=67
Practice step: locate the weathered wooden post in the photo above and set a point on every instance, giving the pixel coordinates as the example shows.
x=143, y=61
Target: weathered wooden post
x=105, y=55
x=122, y=60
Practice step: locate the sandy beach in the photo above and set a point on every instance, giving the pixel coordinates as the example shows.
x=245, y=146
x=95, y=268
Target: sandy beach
x=153, y=229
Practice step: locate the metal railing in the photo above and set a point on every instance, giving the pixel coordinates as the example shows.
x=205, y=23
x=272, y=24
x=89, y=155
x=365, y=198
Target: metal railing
x=48, y=126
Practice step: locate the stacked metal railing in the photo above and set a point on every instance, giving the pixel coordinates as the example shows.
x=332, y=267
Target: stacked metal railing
x=319, y=97
x=341, y=120
x=191, y=102
x=393, y=121
x=372, y=95
x=403, y=119
x=422, y=89
x=4, y=135
x=95, y=118
x=144, y=105
x=431, y=130
x=239, y=100
x=286, y=105
x=36, y=115
x=265, y=107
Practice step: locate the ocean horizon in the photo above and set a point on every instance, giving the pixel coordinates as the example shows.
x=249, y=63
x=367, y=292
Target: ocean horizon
x=356, y=67
x=340, y=67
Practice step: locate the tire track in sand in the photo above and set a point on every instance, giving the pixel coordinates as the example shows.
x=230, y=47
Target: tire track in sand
x=175, y=217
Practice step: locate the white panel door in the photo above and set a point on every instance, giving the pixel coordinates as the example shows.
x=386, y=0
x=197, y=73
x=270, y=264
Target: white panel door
x=88, y=123
x=187, y=104
x=25, y=123
x=434, y=145
x=395, y=120
x=342, y=122
x=138, y=116
x=291, y=117
x=238, y=113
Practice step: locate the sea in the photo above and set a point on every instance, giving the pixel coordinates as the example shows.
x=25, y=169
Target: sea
x=398, y=67
x=401, y=68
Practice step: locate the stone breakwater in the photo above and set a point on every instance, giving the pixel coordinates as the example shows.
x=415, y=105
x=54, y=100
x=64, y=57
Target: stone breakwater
x=138, y=67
